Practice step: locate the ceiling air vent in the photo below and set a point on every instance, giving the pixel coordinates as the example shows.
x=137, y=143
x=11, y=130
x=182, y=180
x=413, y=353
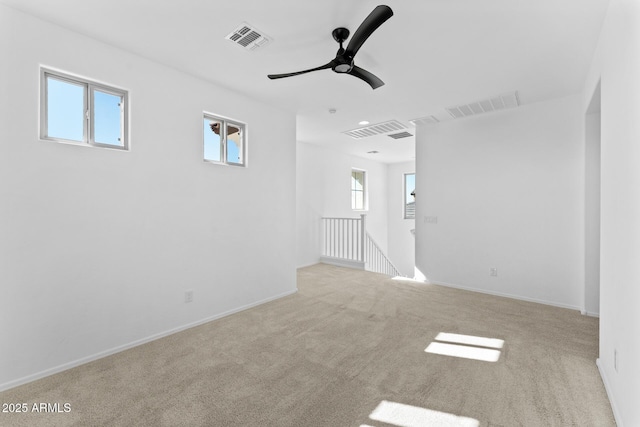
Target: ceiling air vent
x=400, y=135
x=428, y=120
x=377, y=129
x=500, y=102
x=248, y=37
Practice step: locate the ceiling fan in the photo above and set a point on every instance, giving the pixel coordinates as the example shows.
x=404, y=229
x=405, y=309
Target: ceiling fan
x=343, y=62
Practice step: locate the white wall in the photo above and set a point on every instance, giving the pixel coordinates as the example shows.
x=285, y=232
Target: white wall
x=592, y=214
x=401, y=242
x=507, y=189
x=617, y=63
x=98, y=246
x=323, y=188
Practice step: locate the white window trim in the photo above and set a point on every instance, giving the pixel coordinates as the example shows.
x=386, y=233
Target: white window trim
x=225, y=121
x=365, y=190
x=88, y=126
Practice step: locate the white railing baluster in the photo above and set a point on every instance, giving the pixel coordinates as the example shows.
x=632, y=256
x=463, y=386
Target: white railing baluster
x=340, y=242
x=351, y=239
x=326, y=236
x=338, y=238
x=333, y=251
x=362, y=234
x=341, y=238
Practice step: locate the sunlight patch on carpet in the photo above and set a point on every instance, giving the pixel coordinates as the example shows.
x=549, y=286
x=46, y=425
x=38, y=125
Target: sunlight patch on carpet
x=466, y=347
x=463, y=351
x=470, y=340
x=407, y=279
x=401, y=415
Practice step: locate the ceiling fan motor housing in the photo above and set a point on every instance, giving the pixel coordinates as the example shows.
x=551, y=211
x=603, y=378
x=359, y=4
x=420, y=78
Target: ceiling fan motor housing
x=344, y=64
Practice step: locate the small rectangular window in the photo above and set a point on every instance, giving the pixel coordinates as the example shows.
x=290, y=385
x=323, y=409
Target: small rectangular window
x=80, y=111
x=224, y=140
x=358, y=190
x=409, y=195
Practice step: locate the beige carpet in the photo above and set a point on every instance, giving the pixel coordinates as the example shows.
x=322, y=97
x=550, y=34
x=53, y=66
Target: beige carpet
x=347, y=350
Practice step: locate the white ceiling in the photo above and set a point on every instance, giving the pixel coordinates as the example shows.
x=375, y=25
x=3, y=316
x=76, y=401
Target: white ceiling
x=431, y=54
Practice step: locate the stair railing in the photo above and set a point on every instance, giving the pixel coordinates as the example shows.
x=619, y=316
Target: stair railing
x=377, y=261
x=346, y=242
x=344, y=238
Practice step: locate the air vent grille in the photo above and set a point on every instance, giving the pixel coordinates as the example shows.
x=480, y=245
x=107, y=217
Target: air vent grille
x=400, y=135
x=500, y=102
x=377, y=129
x=248, y=37
x=428, y=120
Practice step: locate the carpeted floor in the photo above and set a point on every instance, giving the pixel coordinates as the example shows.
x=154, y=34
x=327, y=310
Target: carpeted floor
x=347, y=350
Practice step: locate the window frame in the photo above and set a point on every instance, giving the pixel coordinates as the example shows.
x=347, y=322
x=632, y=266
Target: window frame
x=365, y=186
x=225, y=122
x=88, y=125
x=404, y=196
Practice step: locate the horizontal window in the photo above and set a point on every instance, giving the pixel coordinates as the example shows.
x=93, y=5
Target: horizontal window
x=224, y=140
x=80, y=111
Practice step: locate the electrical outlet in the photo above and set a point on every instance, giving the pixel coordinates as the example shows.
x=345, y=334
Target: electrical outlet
x=188, y=296
x=431, y=219
x=493, y=271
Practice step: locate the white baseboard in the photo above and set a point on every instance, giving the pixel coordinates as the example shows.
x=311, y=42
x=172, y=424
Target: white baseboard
x=589, y=313
x=308, y=265
x=340, y=262
x=501, y=294
x=100, y=355
x=607, y=387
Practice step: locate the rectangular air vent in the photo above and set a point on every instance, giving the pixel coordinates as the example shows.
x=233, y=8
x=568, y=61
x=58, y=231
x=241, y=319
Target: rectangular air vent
x=377, y=129
x=248, y=37
x=500, y=102
x=428, y=120
x=400, y=135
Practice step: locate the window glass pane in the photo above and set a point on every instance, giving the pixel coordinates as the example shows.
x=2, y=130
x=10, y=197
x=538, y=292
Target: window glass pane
x=409, y=199
x=357, y=180
x=65, y=110
x=107, y=116
x=212, y=143
x=234, y=143
x=359, y=200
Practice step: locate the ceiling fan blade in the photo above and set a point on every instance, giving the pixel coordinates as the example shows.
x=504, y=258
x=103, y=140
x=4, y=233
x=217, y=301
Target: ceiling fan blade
x=376, y=18
x=363, y=74
x=322, y=67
